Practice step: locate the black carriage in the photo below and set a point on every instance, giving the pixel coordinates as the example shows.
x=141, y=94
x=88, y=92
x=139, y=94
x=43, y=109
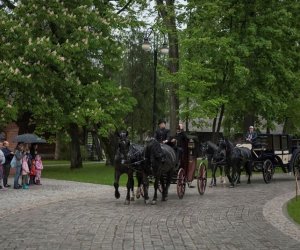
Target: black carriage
x=274, y=150
x=188, y=170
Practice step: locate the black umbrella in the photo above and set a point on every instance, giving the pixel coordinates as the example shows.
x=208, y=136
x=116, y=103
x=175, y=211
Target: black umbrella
x=29, y=138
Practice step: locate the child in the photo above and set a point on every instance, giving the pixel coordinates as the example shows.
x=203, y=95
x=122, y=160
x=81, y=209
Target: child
x=25, y=172
x=38, y=169
x=32, y=172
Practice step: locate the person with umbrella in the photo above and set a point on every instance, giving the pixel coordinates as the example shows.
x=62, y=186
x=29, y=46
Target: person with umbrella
x=18, y=165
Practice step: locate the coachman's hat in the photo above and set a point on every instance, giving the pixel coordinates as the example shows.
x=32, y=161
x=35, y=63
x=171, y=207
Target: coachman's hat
x=161, y=121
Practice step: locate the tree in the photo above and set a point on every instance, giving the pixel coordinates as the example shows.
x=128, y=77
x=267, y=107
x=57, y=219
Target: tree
x=240, y=59
x=58, y=57
x=167, y=11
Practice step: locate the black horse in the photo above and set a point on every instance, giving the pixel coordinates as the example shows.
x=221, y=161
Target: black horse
x=161, y=158
x=129, y=158
x=237, y=158
x=216, y=159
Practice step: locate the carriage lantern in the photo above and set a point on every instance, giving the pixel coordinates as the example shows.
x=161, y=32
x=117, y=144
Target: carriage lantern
x=191, y=144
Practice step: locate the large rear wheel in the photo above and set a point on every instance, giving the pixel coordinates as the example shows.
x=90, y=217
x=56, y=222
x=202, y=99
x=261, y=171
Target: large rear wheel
x=202, y=178
x=295, y=163
x=268, y=171
x=181, y=183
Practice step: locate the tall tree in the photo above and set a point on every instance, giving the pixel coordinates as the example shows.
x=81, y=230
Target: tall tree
x=240, y=60
x=58, y=58
x=167, y=11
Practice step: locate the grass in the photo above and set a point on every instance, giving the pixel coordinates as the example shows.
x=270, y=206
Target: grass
x=293, y=208
x=92, y=172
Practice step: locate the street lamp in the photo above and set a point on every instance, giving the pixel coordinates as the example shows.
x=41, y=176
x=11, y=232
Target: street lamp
x=164, y=50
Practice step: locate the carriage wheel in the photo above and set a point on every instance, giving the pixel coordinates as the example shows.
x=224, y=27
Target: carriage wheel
x=268, y=171
x=202, y=178
x=181, y=183
x=295, y=162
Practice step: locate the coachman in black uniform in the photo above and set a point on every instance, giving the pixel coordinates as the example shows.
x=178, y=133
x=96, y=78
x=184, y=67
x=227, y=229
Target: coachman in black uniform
x=162, y=134
x=180, y=142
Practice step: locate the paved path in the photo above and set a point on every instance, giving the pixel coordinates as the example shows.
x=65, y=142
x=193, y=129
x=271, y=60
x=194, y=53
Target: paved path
x=70, y=215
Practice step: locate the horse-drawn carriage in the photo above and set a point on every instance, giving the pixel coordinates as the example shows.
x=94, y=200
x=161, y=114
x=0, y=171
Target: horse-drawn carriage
x=274, y=150
x=160, y=164
x=189, y=170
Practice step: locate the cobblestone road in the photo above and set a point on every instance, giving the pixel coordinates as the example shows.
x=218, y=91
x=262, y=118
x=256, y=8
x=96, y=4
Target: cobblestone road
x=69, y=215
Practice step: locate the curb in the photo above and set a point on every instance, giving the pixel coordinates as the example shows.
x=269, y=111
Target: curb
x=275, y=213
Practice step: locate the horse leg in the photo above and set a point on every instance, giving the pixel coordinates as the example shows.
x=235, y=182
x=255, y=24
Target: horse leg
x=169, y=176
x=116, y=184
x=132, y=188
x=239, y=171
x=145, y=184
x=213, y=175
x=129, y=185
x=146, y=188
x=154, y=200
x=164, y=188
x=249, y=172
x=227, y=172
x=138, y=190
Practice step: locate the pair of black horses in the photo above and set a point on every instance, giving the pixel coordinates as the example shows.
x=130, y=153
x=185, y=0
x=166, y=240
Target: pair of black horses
x=160, y=162
x=233, y=159
x=154, y=159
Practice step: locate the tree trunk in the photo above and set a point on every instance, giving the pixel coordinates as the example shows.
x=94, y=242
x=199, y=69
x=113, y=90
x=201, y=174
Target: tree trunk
x=110, y=146
x=97, y=145
x=220, y=122
x=213, y=138
x=76, y=160
x=248, y=121
x=57, y=147
x=168, y=13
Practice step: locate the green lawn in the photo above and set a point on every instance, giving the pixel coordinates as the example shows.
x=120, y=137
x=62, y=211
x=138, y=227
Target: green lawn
x=92, y=172
x=293, y=208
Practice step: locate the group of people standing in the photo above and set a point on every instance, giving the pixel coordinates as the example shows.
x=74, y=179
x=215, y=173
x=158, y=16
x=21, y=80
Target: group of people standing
x=26, y=162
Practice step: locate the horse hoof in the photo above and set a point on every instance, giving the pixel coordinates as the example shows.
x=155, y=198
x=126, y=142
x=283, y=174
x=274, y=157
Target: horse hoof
x=164, y=198
x=117, y=195
x=147, y=202
x=137, y=196
x=248, y=182
x=127, y=202
x=132, y=199
x=231, y=186
x=153, y=202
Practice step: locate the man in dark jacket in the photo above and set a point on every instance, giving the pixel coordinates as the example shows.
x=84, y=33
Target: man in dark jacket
x=251, y=136
x=180, y=142
x=6, y=167
x=162, y=134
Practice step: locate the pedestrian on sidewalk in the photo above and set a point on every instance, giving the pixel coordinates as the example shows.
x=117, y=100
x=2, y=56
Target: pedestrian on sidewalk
x=2, y=162
x=25, y=171
x=18, y=165
x=6, y=167
x=38, y=169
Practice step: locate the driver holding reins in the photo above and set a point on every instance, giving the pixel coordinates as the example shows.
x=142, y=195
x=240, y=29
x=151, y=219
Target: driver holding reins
x=251, y=135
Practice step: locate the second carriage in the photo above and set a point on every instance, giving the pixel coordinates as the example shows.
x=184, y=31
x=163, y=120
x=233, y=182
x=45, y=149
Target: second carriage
x=189, y=169
x=275, y=150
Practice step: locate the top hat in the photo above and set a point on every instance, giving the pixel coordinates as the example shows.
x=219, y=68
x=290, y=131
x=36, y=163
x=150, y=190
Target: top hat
x=161, y=121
